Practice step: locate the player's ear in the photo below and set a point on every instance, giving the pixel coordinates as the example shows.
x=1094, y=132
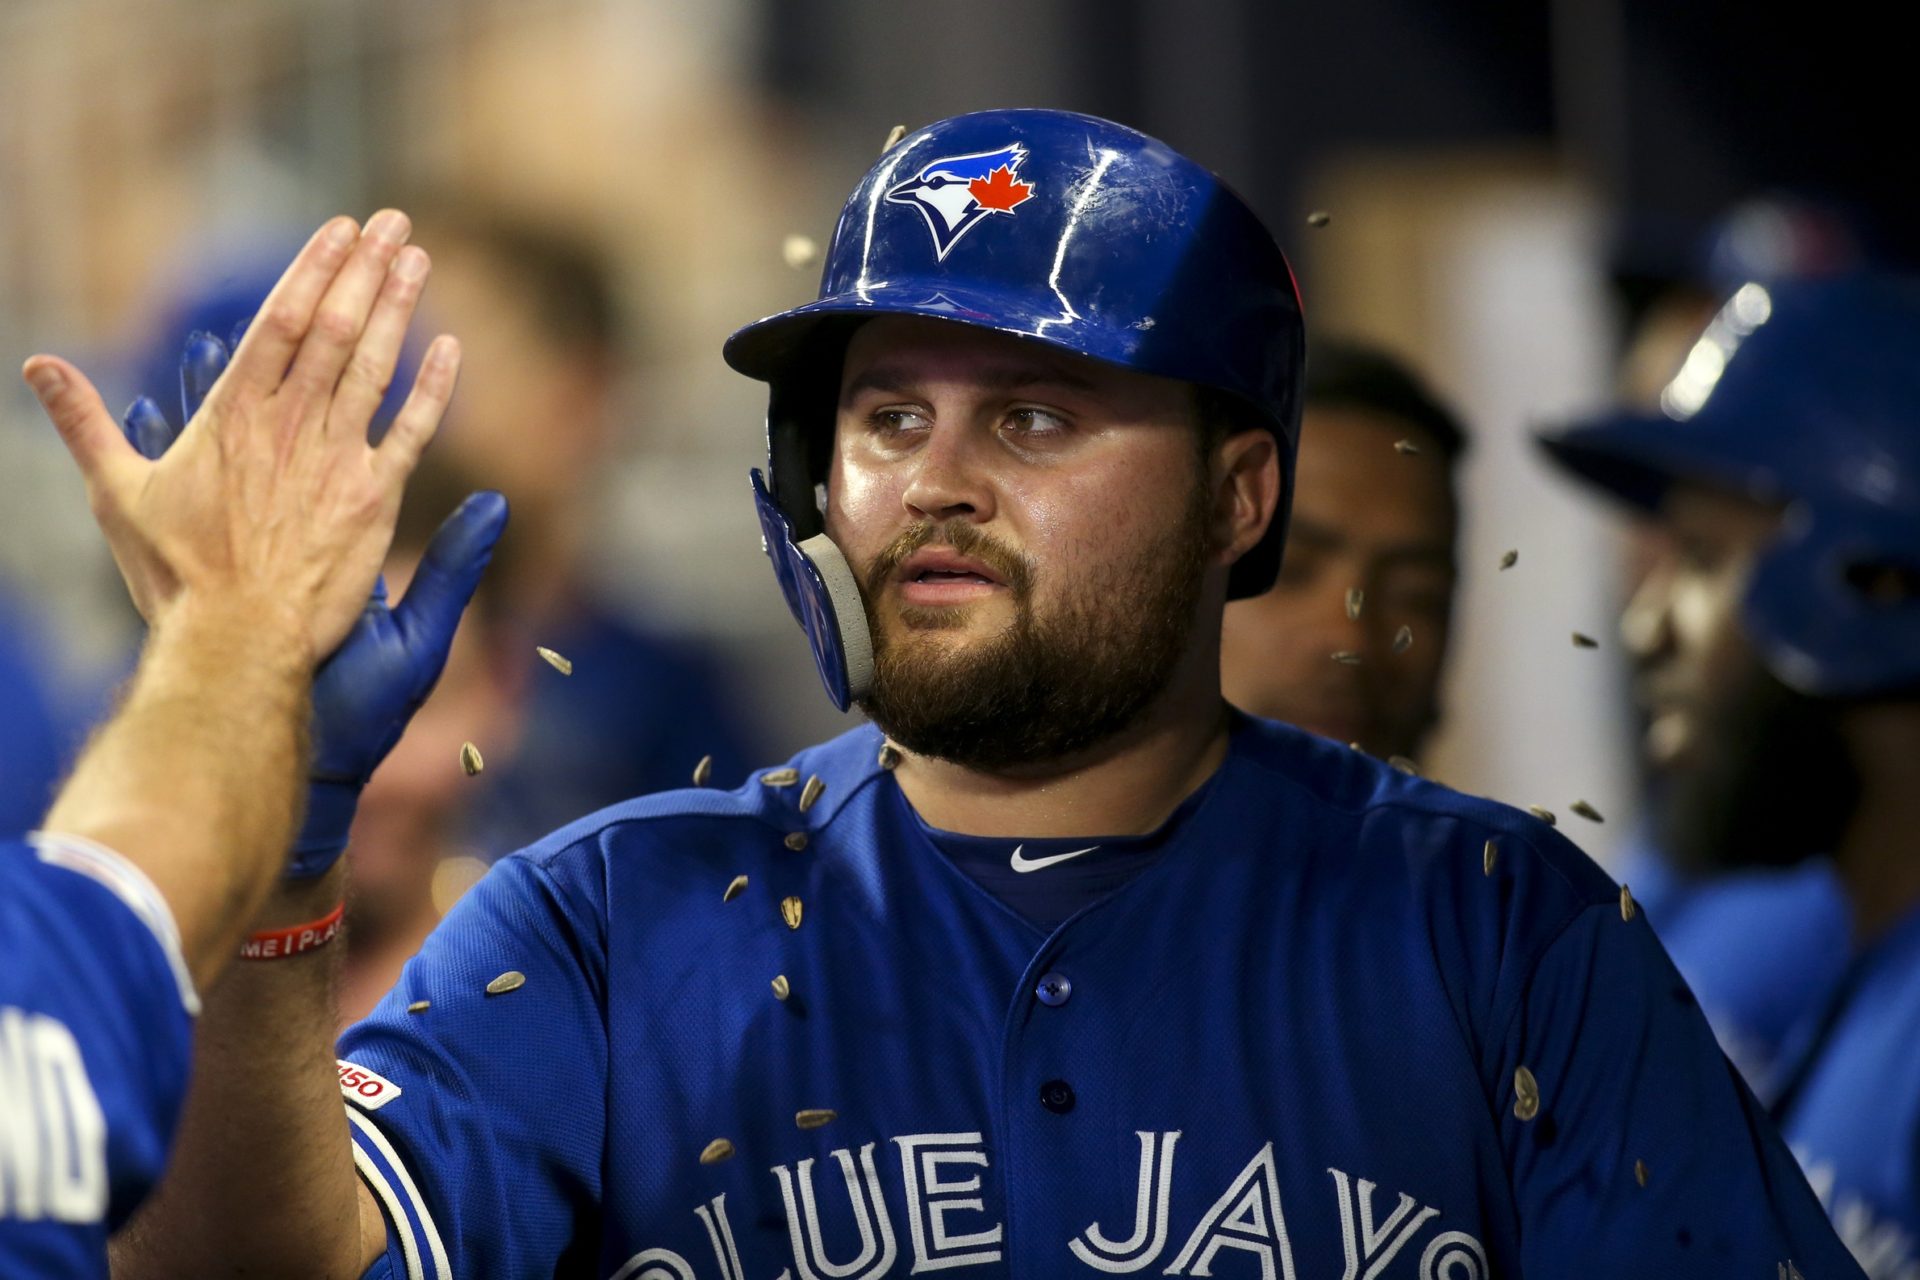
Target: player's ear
x=1245, y=479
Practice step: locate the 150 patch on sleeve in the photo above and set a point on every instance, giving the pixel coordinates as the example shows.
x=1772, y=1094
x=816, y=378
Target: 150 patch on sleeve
x=366, y=1089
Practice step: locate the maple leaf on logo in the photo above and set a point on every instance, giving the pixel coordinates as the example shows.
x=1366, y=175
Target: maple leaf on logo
x=1000, y=190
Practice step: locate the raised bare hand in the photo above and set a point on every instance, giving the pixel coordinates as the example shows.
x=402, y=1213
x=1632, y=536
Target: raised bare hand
x=272, y=501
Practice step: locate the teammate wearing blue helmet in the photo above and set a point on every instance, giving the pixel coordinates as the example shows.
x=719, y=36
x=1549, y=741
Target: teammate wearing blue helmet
x=1779, y=637
x=1061, y=966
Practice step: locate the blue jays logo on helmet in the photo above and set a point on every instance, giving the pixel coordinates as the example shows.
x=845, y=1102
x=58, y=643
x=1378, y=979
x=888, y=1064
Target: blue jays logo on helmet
x=956, y=193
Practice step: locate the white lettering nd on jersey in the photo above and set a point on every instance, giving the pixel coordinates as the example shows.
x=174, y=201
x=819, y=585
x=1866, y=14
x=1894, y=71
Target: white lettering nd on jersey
x=53, y=1134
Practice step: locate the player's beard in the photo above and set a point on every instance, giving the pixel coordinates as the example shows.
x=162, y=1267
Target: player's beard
x=1777, y=786
x=1050, y=686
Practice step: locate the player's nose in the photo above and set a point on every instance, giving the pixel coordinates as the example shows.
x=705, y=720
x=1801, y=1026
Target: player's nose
x=1646, y=624
x=947, y=481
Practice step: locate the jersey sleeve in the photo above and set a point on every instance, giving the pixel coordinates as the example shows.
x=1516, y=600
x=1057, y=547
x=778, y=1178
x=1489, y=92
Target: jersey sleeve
x=1635, y=1147
x=96, y=1010
x=475, y=1091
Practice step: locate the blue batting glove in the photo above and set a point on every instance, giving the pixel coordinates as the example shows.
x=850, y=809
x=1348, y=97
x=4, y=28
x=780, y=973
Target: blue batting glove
x=367, y=691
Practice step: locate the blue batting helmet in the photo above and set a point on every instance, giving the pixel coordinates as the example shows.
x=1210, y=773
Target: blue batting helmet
x=1806, y=394
x=1059, y=228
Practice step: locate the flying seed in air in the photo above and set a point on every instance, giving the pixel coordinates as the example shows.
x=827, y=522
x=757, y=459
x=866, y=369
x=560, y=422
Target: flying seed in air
x=1405, y=446
x=703, y=771
x=1403, y=640
x=1347, y=657
x=790, y=910
x=1404, y=765
x=1583, y=641
x=1319, y=218
x=781, y=987
x=811, y=792
x=563, y=665
x=1626, y=903
x=1526, y=1090
x=814, y=1117
x=1489, y=854
x=1640, y=1172
x=1355, y=598
x=511, y=980
x=894, y=135
x=1354, y=746
x=716, y=1151
x=1586, y=811
x=470, y=761
x=735, y=888
x=1509, y=560
x=796, y=840
x=800, y=251
x=1545, y=815
x=889, y=756
x=781, y=777
x=419, y=1006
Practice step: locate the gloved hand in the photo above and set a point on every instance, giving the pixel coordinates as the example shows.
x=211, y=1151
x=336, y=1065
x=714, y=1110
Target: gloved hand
x=367, y=690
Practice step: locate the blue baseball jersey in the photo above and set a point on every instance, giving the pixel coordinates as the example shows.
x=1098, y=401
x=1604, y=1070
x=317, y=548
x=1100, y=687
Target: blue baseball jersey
x=1762, y=950
x=1326, y=1032
x=1851, y=1106
x=96, y=1012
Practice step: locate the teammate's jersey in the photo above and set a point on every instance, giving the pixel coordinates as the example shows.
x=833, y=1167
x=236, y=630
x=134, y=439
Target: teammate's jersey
x=1851, y=1109
x=1326, y=1033
x=95, y=1027
x=1762, y=949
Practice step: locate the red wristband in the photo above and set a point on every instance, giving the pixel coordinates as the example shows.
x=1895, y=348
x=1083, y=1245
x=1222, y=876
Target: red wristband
x=278, y=944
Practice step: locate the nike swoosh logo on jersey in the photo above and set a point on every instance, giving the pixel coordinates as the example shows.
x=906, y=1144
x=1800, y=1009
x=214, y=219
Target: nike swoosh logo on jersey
x=1019, y=863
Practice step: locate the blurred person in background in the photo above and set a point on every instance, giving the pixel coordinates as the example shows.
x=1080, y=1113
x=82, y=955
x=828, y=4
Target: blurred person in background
x=1778, y=637
x=407, y=850
x=1761, y=947
x=544, y=325
x=35, y=738
x=1371, y=551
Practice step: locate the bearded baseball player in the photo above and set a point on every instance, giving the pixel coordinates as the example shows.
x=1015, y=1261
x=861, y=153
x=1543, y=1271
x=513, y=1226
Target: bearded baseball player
x=251, y=548
x=1062, y=966
x=1778, y=633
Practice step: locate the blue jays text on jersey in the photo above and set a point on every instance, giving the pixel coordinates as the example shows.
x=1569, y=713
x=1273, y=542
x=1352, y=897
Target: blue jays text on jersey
x=1331, y=1031
x=96, y=1011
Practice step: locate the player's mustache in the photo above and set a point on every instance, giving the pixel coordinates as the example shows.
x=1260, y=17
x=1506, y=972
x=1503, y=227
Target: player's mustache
x=1007, y=564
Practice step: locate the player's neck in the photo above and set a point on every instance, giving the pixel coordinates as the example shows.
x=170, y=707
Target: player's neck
x=1876, y=857
x=1127, y=785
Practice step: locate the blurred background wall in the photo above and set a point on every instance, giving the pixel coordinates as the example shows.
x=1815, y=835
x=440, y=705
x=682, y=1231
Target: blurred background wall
x=1510, y=182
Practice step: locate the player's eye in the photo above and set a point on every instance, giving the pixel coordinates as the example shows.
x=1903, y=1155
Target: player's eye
x=896, y=420
x=1034, y=423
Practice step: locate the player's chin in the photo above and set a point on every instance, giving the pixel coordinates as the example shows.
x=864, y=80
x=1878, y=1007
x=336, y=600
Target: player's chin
x=952, y=619
x=982, y=610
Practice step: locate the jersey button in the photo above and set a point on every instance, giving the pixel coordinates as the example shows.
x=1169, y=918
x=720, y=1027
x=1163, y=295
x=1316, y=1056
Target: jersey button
x=1057, y=1096
x=1053, y=990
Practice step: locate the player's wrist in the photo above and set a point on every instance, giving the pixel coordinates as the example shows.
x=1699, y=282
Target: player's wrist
x=250, y=634
x=298, y=902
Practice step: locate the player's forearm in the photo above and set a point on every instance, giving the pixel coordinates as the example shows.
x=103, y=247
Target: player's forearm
x=262, y=1180
x=199, y=776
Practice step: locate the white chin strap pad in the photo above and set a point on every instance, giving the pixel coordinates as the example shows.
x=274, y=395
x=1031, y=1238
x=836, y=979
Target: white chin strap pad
x=845, y=617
